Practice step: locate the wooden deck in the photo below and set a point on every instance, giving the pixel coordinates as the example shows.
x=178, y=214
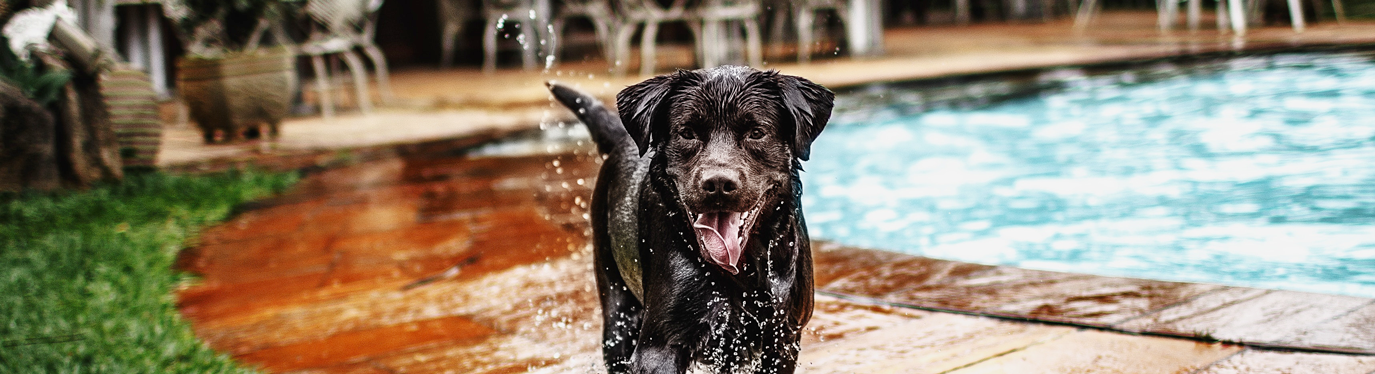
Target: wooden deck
x=324, y=279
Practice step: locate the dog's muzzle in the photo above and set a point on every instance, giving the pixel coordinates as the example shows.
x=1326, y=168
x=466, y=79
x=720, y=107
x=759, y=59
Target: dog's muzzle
x=722, y=235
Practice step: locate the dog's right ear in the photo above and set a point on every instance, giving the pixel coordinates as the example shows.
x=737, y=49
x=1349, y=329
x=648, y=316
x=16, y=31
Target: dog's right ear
x=641, y=105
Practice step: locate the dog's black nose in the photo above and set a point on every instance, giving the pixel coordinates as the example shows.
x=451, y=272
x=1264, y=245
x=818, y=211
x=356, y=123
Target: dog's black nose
x=720, y=183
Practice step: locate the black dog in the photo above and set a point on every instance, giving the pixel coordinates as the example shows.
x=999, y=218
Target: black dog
x=702, y=256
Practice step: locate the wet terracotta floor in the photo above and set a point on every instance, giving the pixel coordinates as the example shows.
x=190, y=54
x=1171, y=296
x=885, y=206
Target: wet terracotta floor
x=431, y=261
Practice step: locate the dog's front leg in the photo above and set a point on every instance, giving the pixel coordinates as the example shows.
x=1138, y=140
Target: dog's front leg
x=659, y=349
x=621, y=313
x=661, y=359
x=672, y=326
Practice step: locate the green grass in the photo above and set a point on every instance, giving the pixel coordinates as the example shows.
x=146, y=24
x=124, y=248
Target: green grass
x=86, y=277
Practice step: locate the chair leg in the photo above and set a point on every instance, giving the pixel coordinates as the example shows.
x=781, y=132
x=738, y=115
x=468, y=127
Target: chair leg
x=1081, y=19
x=489, y=48
x=710, y=49
x=379, y=63
x=804, y=35
x=699, y=38
x=1194, y=13
x=1296, y=15
x=555, y=36
x=602, y=28
x=530, y=50
x=962, y=12
x=754, y=43
x=322, y=86
x=450, y=40
x=360, y=80
x=1237, y=12
x=621, y=62
x=1222, y=18
x=647, y=48
x=1172, y=12
x=777, y=27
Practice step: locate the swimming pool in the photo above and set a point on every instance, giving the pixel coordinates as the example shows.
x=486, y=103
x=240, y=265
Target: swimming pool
x=1254, y=171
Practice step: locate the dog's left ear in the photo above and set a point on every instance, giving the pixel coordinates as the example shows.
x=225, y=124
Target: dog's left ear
x=810, y=106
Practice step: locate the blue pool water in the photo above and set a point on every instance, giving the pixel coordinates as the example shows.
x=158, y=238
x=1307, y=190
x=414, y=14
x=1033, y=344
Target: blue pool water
x=1256, y=171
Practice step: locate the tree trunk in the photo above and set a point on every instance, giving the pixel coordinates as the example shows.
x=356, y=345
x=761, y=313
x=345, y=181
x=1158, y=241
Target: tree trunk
x=87, y=149
x=27, y=136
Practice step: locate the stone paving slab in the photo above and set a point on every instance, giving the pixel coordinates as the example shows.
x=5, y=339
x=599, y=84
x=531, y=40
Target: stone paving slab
x=323, y=279
x=1105, y=352
x=1062, y=297
x=934, y=343
x=1272, y=318
x=1256, y=361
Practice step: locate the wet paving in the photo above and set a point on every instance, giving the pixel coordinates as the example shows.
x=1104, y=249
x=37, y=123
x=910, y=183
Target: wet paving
x=427, y=260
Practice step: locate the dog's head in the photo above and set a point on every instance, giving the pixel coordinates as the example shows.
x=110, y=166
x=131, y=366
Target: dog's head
x=730, y=137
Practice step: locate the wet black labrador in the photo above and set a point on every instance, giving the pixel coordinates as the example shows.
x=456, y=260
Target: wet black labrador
x=702, y=256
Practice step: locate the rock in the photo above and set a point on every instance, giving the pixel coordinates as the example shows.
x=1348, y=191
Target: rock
x=26, y=143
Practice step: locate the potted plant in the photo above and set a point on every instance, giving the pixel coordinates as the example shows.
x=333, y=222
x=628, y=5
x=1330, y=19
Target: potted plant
x=230, y=85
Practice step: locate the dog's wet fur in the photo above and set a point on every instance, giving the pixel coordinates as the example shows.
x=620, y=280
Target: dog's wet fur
x=702, y=257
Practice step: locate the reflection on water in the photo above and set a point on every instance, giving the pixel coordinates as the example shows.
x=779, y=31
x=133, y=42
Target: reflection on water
x=1257, y=171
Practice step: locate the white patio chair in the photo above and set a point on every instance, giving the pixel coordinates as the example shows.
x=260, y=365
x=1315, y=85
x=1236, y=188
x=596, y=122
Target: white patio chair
x=633, y=13
x=598, y=12
x=721, y=20
x=340, y=26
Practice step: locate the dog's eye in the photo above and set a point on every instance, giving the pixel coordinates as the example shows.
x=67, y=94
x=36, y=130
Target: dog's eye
x=756, y=133
x=686, y=133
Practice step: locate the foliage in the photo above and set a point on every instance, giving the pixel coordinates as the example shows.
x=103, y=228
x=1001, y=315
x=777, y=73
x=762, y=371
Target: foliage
x=37, y=85
x=1360, y=9
x=86, y=278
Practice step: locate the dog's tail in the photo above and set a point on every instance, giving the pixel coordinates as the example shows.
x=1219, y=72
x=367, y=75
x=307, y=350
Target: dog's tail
x=606, y=128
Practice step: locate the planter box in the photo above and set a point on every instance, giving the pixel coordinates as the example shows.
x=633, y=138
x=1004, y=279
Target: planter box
x=237, y=94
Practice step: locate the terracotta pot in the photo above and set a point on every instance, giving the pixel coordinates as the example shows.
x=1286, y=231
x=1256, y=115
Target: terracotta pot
x=238, y=93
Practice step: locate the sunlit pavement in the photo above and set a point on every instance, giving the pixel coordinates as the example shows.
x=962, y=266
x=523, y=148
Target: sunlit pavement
x=316, y=280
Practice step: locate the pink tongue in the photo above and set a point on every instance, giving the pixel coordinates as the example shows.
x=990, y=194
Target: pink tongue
x=720, y=236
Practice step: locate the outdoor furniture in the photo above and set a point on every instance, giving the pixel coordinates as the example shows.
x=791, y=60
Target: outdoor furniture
x=805, y=18
x=632, y=14
x=864, y=27
x=527, y=14
x=598, y=12
x=1235, y=14
x=778, y=22
x=1168, y=11
x=341, y=26
x=720, y=23
x=452, y=14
